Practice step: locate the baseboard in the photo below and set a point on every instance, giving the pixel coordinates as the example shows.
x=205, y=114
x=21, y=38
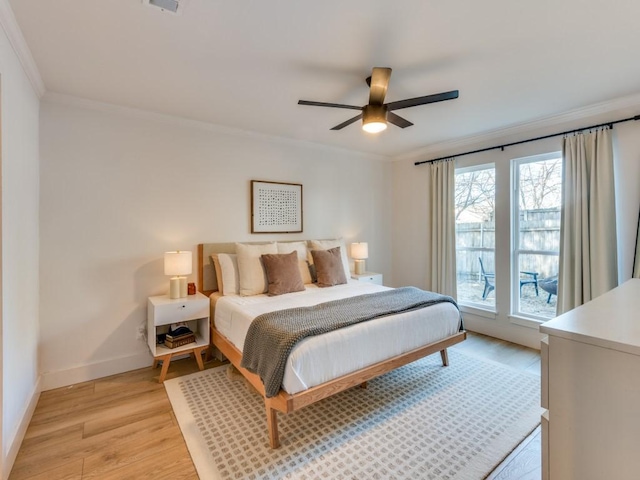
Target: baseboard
x=85, y=373
x=526, y=337
x=14, y=445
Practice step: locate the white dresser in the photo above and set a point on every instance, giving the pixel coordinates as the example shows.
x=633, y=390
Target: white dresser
x=591, y=389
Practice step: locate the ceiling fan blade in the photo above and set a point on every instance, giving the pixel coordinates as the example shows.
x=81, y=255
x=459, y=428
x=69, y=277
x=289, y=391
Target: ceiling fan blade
x=348, y=122
x=413, y=102
x=397, y=120
x=378, y=85
x=332, y=105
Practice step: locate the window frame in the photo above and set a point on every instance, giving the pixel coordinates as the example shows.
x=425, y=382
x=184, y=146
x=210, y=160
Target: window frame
x=489, y=311
x=514, y=258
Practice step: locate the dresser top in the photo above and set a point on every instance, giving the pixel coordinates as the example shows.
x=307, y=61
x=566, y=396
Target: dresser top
x=611, y=320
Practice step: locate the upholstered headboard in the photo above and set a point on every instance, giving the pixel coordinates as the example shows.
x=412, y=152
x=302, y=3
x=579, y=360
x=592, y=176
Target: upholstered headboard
x=207, y=282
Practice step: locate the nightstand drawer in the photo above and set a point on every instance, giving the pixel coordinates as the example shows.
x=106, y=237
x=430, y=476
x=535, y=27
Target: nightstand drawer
x=368, y=277
x=371, y=279
x=179, y=311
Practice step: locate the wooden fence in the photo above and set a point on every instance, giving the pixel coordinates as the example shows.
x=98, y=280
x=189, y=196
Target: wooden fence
x=539, y=230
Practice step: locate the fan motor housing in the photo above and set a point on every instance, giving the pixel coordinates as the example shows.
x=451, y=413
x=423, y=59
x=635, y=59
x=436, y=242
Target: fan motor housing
x=374, y=113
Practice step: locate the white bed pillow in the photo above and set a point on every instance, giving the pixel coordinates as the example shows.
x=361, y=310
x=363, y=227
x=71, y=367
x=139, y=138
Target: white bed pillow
x=229, y=273
x=218, y=271
x=253, y=278
x=326, y=245
x=303, y=263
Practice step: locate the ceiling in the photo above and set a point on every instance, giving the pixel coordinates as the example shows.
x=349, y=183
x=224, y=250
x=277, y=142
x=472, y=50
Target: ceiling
x=245, y=64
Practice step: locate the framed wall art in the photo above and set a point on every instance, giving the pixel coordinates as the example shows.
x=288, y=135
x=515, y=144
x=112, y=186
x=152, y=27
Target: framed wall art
x=276, y=207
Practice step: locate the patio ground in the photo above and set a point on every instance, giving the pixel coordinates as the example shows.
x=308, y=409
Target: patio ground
x=471, y=291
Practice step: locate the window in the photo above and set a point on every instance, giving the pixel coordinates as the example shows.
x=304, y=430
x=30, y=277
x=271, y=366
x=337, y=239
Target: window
x=536, y=201
x=475, y=190
x=529, y=191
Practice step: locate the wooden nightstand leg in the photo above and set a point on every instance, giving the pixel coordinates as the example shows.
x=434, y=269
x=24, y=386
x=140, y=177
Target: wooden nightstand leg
x=198, y=353
x=166, y=360
x=155, y=363
x=209, y=352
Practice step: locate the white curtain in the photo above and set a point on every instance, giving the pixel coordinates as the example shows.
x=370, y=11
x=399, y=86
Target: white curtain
x=588, y=247
x=441, y=263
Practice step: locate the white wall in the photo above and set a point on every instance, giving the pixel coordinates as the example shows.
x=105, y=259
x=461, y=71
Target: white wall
x=20, y=110
x=120, y=187
x=410, y=226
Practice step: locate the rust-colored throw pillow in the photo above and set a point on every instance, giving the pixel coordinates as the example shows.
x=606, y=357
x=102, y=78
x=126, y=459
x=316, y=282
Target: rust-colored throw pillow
x=329, y=268
x=283, y=273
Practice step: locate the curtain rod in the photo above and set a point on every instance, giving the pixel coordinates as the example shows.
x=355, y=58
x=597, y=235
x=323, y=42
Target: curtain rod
x=637, y=117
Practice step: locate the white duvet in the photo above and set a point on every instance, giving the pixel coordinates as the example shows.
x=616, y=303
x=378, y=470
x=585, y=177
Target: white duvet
x=321, y=358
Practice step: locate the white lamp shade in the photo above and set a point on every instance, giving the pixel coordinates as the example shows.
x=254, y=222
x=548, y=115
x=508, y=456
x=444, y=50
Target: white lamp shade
x=359, y=251
x=177, y=263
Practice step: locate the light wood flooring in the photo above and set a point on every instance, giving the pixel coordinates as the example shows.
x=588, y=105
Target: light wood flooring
x=122, y=427
x=524, y=463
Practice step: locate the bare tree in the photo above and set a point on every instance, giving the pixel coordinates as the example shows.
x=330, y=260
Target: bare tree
x=475, y=193
x=540, y=187
x=540, y=184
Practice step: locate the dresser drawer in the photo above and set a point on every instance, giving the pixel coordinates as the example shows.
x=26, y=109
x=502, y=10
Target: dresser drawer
x=178, y=311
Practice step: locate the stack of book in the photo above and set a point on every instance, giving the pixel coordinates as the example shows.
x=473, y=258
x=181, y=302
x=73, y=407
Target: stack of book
x=180, y=337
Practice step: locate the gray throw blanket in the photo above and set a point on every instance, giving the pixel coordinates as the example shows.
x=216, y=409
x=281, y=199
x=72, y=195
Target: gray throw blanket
x=272, y=336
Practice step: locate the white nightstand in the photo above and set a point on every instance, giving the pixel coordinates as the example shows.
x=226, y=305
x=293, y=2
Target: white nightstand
x=162, y=311
x=368, y=277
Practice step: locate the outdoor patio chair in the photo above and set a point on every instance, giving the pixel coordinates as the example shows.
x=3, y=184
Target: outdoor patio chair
x=549, y=285
x=488, y=284
x=489, y=280
x=533, y=280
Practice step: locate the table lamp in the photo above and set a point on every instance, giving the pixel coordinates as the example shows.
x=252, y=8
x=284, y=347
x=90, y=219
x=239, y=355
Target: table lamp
x=177, y=264
x=359, y=252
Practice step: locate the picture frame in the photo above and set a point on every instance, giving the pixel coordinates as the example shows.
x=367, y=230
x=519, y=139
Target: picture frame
x=276, y=207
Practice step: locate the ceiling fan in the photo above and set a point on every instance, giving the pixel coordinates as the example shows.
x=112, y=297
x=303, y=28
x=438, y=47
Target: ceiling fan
x=376, y=113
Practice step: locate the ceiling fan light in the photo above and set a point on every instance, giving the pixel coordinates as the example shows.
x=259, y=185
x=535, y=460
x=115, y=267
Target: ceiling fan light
x=374, y=127
x=374, y=118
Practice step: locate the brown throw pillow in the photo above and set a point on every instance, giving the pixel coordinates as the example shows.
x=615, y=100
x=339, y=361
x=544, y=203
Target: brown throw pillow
x=329, y=267
x=283, y=273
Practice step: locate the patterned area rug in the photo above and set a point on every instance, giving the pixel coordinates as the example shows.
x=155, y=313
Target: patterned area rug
x=422, y=421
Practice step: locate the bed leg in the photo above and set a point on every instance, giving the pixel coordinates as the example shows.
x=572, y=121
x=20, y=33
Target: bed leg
x=445, y=357
x=363, y=385
x=272, y=424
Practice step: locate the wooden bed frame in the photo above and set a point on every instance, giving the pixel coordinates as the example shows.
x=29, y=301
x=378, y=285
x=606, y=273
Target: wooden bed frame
x=285, y=402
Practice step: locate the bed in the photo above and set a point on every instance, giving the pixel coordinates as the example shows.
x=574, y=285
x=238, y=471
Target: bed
x=322, y=365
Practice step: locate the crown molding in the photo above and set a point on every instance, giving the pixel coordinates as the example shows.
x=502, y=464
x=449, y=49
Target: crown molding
x=167, y=119
x=631, y=102
x=16, y=39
